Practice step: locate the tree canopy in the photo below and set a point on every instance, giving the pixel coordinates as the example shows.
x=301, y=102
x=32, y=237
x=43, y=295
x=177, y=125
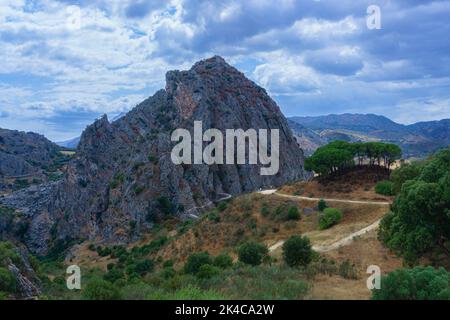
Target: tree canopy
x=338, y=155
x=420, y=217
x=419, y=283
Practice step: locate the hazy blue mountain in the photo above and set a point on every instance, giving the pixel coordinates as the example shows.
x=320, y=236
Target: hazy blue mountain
x=71, y=143
x=416, y=140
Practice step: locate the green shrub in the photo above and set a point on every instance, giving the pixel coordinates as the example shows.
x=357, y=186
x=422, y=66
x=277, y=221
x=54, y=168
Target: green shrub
x=8, y=252
x=144, y=266
x=265, y=211
x=213, y=216
x=223, y=261
x=103, y=252
x=7, y=281
x=207, y=271
x=329, y=218
x=168, y=272
x=113, y=275
x=165, y=205
x=385, y=188
x=98, y=289
x=293, y=213
x=419, y=283
x=195, y=261
x=252, y=253
x=168, y=263
x=322, y=205
x=222, y=206
x=297, y=251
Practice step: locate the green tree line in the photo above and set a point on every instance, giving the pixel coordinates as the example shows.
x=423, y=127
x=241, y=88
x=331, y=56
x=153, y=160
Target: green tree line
x=339, y=155
x=419, y=221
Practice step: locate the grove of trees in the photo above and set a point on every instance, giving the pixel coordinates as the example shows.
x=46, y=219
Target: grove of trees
x=419, y=283
x=419, y=221
x=339, y=155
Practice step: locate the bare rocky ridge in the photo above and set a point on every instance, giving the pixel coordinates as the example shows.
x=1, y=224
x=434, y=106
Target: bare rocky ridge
x=123, y=178
x=23, y=153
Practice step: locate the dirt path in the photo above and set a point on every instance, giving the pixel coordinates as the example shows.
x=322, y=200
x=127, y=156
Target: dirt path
x=382, y=203
x=342, y=242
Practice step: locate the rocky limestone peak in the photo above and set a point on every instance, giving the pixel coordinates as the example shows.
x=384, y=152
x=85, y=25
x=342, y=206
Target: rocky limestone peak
x=123, y=179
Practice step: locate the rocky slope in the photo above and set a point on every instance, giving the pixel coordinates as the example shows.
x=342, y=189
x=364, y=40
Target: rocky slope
x=123, y=179
x=15, y=262
x=308, y=139
x=24, y=153
x=416, y=140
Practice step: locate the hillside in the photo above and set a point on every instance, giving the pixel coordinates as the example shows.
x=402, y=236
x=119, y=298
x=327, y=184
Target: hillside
x=23, y=153
x=416, y=140
x=122, y=178
x=335, y=273
x=27, y=158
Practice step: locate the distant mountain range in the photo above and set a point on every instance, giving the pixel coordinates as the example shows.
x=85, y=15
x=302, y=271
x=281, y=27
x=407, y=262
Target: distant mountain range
x=416, y=140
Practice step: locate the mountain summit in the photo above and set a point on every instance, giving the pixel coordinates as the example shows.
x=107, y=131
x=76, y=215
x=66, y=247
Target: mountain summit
x=122, y=178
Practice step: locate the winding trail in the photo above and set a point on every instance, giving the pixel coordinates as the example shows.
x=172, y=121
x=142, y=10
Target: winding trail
x=342, y=242
x=274, y=191
x=226, y=196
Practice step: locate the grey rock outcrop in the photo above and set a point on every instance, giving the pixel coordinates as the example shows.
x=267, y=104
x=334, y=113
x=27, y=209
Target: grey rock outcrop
x=23, y=153
x=122, y=177
x=28, y=285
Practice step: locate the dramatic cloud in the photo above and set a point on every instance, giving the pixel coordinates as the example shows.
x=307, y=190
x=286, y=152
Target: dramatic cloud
x=64, y=63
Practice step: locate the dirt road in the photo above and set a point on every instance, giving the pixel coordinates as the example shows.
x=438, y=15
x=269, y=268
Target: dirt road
x=342, y=242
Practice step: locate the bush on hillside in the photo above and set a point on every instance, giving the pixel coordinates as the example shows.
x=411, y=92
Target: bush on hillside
x=223, y=261
x=98, y=289
x=322, y=205
x=195, y=261
x=329, y=218
x=385, y=188
x=293, y=213
x=7, y=281
x=252, y=253
x=297, y=251
x=207, y=271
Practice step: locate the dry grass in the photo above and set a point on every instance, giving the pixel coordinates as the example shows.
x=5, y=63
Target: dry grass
x=362, y=252
x=242, y=220
x=358, y=185
x=85, y=258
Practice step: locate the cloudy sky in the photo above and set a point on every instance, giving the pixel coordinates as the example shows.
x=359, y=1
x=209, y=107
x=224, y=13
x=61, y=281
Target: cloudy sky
x=64, y=63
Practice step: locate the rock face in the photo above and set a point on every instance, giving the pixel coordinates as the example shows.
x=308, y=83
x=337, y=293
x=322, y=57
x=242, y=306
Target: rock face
x=24, y=153
x=123, y=178
x=28, y=284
